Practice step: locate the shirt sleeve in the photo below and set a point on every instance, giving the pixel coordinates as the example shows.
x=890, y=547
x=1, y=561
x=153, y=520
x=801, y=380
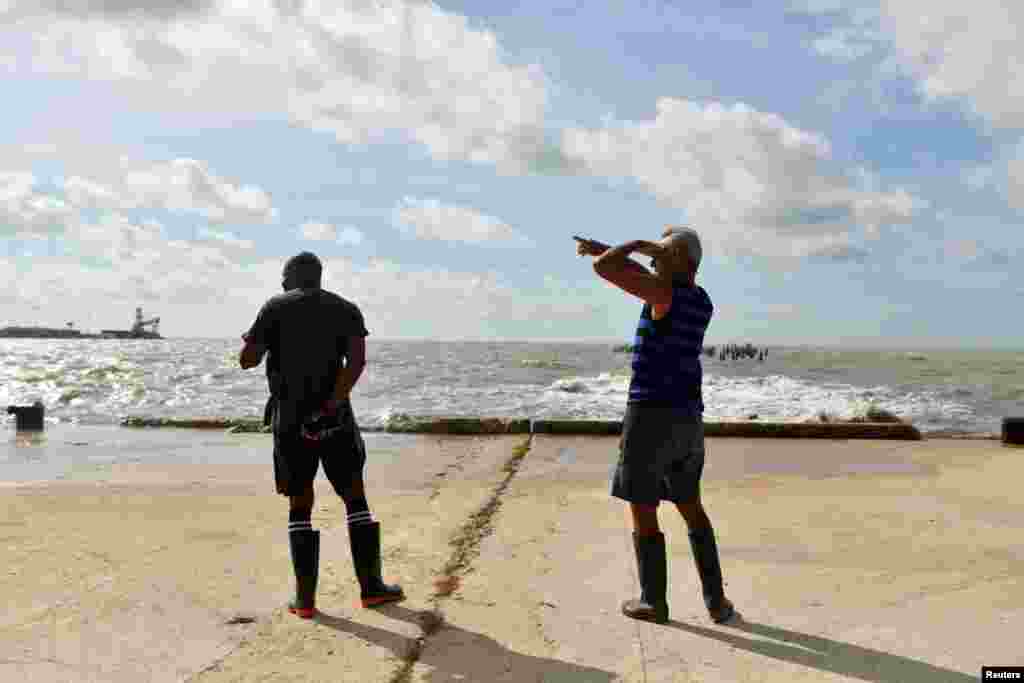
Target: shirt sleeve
x=260, y=331
x=358, y=324
x=354, y=326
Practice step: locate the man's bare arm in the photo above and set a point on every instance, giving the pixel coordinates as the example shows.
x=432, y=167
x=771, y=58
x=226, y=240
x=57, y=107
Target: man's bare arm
x=615, y=266
x=349, y=375
x=598, y=249
x=251, y=354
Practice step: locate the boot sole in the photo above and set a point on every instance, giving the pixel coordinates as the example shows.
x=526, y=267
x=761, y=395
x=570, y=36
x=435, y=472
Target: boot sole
x=645, y=615
x=370, y=602
x=652, y=618
x=303, y=612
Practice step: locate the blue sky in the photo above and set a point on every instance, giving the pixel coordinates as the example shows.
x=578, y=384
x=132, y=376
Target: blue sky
x=855, y=171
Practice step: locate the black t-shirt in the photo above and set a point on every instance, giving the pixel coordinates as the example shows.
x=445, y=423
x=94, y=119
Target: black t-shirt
x=306, y=333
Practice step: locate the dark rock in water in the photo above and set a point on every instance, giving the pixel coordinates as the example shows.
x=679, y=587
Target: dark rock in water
x=545, y=364
x=876, y=414
x=234, y=426
x=249, y=428
x=862, y=429
x=28, y=418
x=407, y=424
x=630, y=348
x=813, y=430
x=589, y=427
x=1013, y=430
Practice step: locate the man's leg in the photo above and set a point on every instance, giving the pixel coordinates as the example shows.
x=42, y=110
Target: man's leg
x=652, y=565
x=694, y=514
x=645, y=519
x=682, y=483
x=353, y=494
x=364, y=540
x=636, y=480
x=305, y=549
x=705, y=556
x=300, y=507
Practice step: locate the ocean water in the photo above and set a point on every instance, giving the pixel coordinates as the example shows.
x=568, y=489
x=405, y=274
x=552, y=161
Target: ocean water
x=98, y=382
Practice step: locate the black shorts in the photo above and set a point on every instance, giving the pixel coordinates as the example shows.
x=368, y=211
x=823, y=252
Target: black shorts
x=661, y=455
x=296, y=460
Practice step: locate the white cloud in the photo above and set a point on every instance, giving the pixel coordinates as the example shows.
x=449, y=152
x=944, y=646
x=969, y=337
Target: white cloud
x=228, y=239
x=325, y=232
x=8, y=281
x=750, y=181
x=180, y=185
x=349, y=235
x=318, y=232
x=15, y=187
x=352, y=68
x=972, y=53
x=202, y=290
x=129, y=9
x=392, y=296
x=954, y=51
x=88, y=194
x=969, y=54
x=1003, y=175
x=209, y=288
x=214, y=288
x=430, y=219
x=116, y=239
x=845, y=44
x=138, y=262
x=438, y=302
x=25, y=212
x=186, y=185
x=189, y=294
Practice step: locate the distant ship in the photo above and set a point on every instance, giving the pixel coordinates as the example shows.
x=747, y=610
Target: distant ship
x=142, y=329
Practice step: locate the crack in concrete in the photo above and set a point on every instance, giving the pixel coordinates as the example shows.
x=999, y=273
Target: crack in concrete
x=454, y=467
x=465, y=548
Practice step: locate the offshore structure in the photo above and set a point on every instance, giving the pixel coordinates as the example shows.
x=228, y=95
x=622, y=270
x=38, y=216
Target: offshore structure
x=141, y=329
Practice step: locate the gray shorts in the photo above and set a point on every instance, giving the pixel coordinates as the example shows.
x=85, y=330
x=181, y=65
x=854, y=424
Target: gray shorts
x=661, y=455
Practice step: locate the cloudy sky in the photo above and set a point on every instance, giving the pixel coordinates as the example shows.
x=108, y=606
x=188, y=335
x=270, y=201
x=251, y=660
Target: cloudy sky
x=855, y=167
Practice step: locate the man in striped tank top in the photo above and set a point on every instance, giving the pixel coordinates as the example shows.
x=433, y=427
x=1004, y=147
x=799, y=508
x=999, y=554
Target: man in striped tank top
x=662, y=447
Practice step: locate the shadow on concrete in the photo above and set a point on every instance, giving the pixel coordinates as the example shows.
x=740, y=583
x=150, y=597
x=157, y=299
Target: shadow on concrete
x=827, y=655
x=455, y=654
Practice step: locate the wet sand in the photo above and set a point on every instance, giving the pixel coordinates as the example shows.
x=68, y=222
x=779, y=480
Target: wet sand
x=850, y=561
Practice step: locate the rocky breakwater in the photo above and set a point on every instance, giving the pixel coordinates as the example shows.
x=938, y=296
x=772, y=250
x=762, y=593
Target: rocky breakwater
x=409, y=424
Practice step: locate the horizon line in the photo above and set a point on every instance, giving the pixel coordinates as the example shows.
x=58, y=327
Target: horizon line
x=852, y=345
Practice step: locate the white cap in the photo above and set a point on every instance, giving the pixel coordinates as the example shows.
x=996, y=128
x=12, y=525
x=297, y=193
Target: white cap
x=678, y=238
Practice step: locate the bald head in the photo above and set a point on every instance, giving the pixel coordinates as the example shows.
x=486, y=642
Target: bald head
x=683, y=245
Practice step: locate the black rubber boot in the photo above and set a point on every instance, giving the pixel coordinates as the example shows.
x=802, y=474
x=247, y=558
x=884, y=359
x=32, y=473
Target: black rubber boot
x=653, y=569
x=365, y=542
x=705, y=556
x=306, y=562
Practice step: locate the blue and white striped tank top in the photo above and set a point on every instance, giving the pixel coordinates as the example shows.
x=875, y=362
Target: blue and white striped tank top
x=666, y=356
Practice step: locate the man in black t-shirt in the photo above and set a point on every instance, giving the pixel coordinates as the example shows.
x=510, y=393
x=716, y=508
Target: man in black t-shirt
x=316, y=343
